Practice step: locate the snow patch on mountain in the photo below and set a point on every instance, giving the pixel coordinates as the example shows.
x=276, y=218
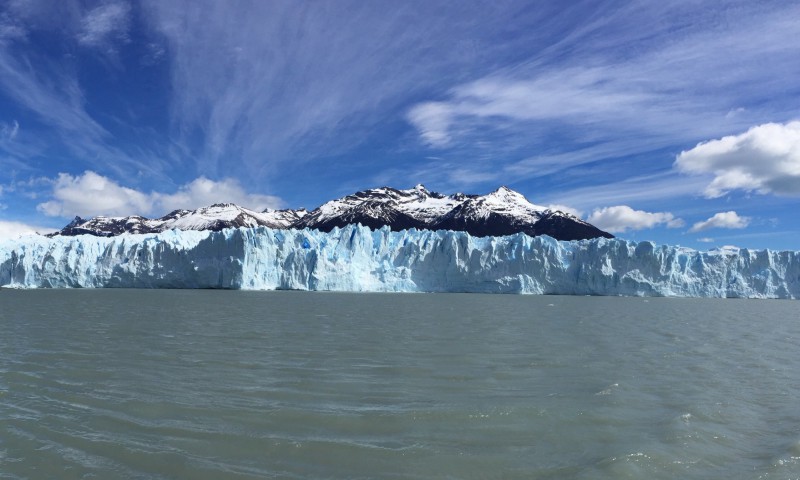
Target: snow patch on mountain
x=427, y=206
x=508, y=202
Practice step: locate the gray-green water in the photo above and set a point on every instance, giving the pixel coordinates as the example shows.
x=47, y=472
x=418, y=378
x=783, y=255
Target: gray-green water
x=158, y=384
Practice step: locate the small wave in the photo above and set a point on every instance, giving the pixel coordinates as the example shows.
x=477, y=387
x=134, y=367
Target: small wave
x=608, y=390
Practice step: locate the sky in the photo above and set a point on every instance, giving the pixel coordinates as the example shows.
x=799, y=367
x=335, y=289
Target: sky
x=676, y=122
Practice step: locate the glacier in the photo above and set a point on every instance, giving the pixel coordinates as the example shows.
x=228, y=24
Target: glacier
x=355, y=258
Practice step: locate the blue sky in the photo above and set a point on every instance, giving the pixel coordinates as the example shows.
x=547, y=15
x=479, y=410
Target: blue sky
x=668, y=121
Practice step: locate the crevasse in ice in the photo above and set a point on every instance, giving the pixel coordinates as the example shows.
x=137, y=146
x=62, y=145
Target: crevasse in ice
x=356, y=258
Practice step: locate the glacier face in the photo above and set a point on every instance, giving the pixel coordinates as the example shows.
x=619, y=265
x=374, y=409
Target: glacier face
x=356, y=258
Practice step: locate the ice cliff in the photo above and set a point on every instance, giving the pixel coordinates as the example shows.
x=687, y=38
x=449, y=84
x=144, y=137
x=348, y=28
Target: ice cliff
x=356, y=258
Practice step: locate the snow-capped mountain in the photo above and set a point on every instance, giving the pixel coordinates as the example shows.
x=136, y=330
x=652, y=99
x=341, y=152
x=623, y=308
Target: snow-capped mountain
x=215, y=217
x=505, y=212
x=399, y=209
x=502, y=212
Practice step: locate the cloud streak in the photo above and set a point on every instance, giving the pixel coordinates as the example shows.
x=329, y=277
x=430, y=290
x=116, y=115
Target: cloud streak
x=583, y=96
x=53, y=94
x=638, y=189
x=105, y=25
x=9, y=131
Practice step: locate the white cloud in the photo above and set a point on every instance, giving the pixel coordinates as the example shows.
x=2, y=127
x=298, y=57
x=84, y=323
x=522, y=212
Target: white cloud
x=11, y=28
x=705, y=240
x=764, y=159
x=294, y=82
x=621, y=218
x=433, y=120
x=722, y=220
x=18, y=229
x=104, y=24
x=202, y=191
x=92, y=194
x=55, y=97
x=645, y=188
x=630, y=90
x=48, y=85
x=582, y=96
x=11, y=32
x=289, y=82
x=9, y=131
x=566, y=209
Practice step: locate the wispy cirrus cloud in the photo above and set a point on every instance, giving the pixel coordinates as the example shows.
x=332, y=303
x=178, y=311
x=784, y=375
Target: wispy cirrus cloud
x=105, y=25
x=9, y=131
x=48, y=88
x=10, y=29
x=579, y=95
x=57, y=100
x=632, y=190
x=282, y=82
x=51, y=93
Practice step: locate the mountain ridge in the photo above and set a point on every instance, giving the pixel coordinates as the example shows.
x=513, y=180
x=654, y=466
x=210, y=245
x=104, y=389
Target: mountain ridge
x=501, y=212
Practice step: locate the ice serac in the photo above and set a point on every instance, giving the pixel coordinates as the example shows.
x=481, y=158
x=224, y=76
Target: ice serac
x=356, y=258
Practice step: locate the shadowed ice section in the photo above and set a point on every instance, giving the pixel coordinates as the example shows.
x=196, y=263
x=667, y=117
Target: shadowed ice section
x=356, y=258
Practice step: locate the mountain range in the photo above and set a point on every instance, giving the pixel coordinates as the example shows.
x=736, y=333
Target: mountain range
x=502, y=212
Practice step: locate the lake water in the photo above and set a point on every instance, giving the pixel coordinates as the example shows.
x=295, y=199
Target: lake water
x=159, y=384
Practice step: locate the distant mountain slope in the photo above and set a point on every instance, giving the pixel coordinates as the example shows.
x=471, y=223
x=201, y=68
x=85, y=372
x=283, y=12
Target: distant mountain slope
x=502, y=212
x=215, y=217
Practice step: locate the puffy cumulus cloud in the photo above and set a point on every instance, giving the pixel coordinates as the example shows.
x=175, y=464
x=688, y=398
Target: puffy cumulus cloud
x=621, y=218
x=764, y=159
x=18, y=229
x=202, y=191
x=92, y=194
x=565, y=209
x=722, y=220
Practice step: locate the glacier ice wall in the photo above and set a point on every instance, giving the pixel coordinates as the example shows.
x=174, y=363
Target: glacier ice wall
x=356, y=258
